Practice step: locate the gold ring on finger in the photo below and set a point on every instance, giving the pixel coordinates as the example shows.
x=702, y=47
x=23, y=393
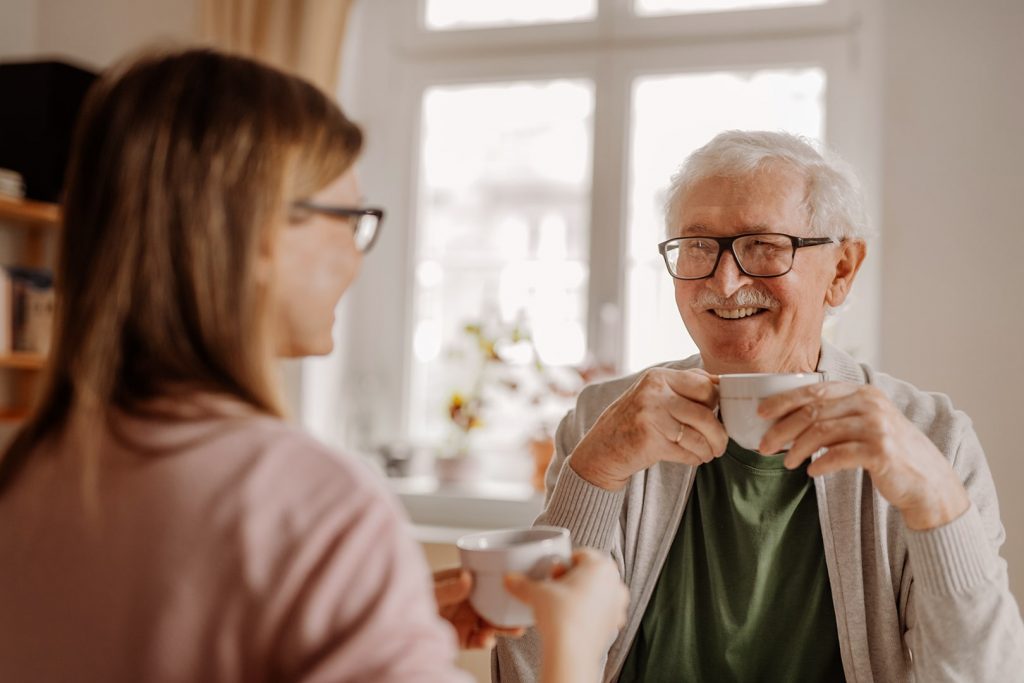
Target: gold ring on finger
x=679, y=436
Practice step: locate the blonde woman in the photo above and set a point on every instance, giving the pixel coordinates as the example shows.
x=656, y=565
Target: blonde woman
x=159, y=520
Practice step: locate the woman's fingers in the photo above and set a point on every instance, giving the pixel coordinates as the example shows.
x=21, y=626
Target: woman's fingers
x=452, y=586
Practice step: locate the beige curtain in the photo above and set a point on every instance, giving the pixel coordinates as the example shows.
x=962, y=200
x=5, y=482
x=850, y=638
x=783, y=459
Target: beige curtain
x=302, y=36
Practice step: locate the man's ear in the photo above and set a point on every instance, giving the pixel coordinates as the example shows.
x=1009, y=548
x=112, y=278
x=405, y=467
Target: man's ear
x=850, y=259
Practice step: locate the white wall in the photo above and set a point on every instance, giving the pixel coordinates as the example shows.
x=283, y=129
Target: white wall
x=953, y=216
x=93, y=33
x=17, y=28
x=99, y=31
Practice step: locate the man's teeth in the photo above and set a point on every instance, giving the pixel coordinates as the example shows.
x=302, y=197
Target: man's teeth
x=733, y=313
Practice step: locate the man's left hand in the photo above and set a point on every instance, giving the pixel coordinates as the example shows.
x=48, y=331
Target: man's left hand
x=451, y=589
x=861, y=427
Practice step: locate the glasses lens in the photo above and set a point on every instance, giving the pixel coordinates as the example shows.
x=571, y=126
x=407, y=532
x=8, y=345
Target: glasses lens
x=692, y=257
x=764, y=255
x=366, y=231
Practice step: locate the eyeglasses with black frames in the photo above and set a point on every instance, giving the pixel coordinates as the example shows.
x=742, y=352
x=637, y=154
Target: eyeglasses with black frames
x=758, y=254
x=366, y=222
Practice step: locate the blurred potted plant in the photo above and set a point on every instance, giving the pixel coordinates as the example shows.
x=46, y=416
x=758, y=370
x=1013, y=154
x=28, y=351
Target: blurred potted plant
x=510, y=376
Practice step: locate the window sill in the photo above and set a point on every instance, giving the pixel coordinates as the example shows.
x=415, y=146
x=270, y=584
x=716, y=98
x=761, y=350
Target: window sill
x=441, y=513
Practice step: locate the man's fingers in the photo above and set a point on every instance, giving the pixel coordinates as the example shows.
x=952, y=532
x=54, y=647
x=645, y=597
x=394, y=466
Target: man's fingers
x=774, y=407
x=702, y=371
x=703, y=431
x=692, y=385
x=687, y=446
x=844, y=457
x=796, y=422
x=452, y=586
x=825, y=434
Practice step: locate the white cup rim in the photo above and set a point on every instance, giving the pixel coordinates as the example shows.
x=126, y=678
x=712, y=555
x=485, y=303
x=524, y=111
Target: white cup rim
x=751, y=375
x=468, y=542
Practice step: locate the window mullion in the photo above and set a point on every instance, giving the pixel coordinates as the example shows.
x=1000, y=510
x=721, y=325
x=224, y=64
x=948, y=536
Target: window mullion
x=607, y=206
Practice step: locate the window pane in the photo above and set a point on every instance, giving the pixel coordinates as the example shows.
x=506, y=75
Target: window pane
x=502, y=242
x=672, y=116
x=647, y=8
x=460, y=14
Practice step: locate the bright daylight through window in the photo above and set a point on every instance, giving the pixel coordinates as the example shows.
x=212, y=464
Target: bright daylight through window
x=663, y=7
x=502, y=235
x=544, y=135
x=770, y=99
x=460, y=14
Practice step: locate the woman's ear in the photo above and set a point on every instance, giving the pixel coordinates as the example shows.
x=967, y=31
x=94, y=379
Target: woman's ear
x=850, y=259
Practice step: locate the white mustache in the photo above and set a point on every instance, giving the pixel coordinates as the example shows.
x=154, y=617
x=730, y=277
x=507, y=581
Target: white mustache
x=744, y=298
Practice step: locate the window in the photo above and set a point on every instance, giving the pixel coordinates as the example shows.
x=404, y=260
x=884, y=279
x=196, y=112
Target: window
x=523, y=150
x=460, y=14
x=648, y=8
x=501, y=229
x=786, y=99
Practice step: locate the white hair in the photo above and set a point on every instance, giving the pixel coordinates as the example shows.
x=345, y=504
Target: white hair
x=834, y=201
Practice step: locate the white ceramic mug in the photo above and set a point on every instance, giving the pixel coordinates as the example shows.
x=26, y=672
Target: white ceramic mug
x=490, y=555
x=739, y=396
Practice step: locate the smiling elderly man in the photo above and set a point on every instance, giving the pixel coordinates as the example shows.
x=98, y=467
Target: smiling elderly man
x=867, y=552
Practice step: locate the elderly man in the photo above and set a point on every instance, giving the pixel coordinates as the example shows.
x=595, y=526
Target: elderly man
x=869, y=551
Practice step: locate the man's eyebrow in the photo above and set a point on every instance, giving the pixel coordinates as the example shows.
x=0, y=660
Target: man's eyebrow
x=701, y=229
x=694, y=229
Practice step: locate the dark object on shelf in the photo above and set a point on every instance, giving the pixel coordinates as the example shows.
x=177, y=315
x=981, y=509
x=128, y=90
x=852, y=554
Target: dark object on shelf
x=37, y=118
x=26, y=309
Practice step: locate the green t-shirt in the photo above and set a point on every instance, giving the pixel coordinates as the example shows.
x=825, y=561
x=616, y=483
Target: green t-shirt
x=744, y=594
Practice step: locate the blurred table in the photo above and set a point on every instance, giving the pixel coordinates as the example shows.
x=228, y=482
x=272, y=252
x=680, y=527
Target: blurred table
x=440, y=513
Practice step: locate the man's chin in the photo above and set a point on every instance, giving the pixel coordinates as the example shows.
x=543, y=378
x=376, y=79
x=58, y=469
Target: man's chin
x=734, y=355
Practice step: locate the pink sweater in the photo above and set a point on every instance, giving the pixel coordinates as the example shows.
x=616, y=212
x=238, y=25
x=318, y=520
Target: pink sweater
x=243, y=551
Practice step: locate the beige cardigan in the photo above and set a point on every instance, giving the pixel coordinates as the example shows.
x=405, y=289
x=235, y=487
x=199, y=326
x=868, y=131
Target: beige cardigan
x=932, y=606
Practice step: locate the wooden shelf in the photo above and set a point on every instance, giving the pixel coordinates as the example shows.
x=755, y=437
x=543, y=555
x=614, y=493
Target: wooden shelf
x=29, y=213
x=22, y=361
x=13, y=416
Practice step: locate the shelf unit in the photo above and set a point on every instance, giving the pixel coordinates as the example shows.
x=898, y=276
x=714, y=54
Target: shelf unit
x=22, y=361
x=37, y=223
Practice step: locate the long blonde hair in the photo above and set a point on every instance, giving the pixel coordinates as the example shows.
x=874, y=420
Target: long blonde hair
x=182, y=168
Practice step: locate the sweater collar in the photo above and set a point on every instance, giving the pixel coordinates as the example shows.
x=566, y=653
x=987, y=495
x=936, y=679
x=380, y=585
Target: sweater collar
x=834, y=362
x=839, y=365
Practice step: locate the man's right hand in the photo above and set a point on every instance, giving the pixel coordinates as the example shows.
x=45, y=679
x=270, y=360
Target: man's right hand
x=666, y=415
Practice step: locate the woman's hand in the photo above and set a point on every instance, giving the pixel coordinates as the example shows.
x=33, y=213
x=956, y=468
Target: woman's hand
x=577, y=614
x=451, y=590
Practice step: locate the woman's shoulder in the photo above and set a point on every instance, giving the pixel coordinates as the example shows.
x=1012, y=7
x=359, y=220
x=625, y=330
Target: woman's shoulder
x=255, y=470
x=282, y=462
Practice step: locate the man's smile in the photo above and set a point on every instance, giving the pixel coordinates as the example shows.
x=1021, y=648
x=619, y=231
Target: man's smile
x=736, y=313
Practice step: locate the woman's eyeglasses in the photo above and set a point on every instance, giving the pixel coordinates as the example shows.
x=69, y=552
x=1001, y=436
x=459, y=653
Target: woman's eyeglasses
x=365, y=221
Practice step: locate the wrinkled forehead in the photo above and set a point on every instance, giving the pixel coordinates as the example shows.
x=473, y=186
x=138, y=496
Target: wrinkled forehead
x=772, y=200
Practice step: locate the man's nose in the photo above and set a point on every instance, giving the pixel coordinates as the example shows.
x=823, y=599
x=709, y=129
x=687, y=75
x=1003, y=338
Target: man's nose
x=728, y=277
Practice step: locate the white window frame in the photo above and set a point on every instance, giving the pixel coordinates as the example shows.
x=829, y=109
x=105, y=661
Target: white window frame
x=390, y=60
